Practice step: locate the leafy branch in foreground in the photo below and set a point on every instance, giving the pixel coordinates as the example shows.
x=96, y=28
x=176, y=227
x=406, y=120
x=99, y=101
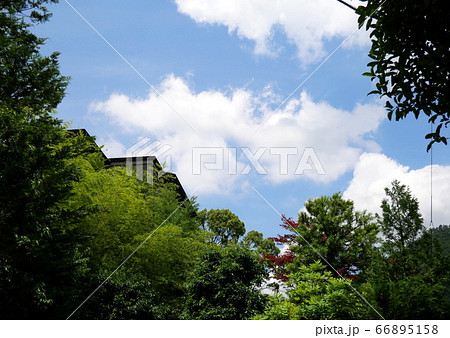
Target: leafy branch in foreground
x=410, y=58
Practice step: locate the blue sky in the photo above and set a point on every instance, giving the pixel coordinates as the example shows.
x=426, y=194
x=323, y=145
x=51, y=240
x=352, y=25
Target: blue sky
x=202, y=76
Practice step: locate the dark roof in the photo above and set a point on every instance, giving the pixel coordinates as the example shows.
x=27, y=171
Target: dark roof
x=142, y=160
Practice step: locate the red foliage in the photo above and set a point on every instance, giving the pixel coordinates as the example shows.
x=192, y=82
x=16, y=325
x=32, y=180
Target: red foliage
x=281, y=260
x=282, y=239
x=348, y=272
x=280, y=277
x=288, y=223
x=278, y=263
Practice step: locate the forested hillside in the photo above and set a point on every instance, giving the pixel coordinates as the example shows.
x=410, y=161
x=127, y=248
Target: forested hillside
x=442, y=234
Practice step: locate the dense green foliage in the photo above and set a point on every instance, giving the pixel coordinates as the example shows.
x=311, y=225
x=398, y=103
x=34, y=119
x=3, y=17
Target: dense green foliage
x=341, y=235
x=402, y=228
x=442, y=234
x=415, y=271
x=40, y=245
x=223, y=224
x=124, y=214
x=262, y=246
x=40, y=251
x=29, y=80
x=411, y=58
x=314, y=293
x=225, y=284
x=124, y=296
x=402, y=275
x=330, y=229
x=34, y=10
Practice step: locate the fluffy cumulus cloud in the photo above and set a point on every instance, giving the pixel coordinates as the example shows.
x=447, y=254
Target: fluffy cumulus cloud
x=218, y=140
x=374, y=172
x=307, y=24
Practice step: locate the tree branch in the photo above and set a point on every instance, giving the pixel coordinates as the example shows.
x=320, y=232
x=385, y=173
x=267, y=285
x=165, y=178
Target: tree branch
x=346, y=4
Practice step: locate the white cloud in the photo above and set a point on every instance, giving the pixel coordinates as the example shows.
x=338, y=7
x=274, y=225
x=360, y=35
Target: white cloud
x=226, y=121
x=307, y=24
x=374, y=172
x=111, y=147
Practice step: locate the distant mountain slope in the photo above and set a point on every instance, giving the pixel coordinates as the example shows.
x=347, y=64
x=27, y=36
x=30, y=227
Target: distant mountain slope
x=442, y=234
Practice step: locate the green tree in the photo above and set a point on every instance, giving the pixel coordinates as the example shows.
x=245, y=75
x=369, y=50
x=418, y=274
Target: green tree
x=39, y=242
x=168, y=259
x=330, y=227
x=409, y=274
x=123, y=208
x=41, y=247
x=315, y=294
x=225, y=226
x=401, y=225
x=410, y=58
x=34, y=10
x=125, y=295
x=328, y=250
x=262, y=246
x=28, y=79
x=224, y=284
x=442, y=234
x=125, y=214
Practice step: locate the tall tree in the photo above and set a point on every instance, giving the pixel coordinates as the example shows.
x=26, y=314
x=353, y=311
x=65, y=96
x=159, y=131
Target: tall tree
x=40, y=250
x=411, y=58
x=225, y=226
x=28, y=79
x=409, y=274
x=401, y=225
x=330, y=229
x=40, y=244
